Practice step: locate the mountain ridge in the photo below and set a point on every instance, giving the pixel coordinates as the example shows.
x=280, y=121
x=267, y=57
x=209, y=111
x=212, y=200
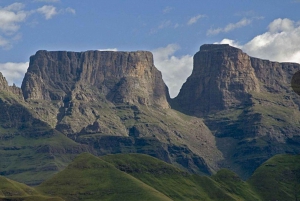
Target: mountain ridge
x=248, y=103
x=229, y=114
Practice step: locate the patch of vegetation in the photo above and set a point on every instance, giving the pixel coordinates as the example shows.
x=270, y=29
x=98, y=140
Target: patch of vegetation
x=278, y=178
x=142, y=177
x=11, y=190
x=90, y=178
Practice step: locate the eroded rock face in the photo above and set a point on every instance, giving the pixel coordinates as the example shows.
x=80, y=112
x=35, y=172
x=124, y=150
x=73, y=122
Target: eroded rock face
x=11, y=89
x=116, y=102
x=222, y=78
x=248, y=103
x=123, y=77
x=3, y=83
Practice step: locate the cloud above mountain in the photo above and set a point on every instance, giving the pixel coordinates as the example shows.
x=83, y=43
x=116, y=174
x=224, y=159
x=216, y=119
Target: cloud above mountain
x=279, y=43
x=14, y=72
x=175, y=69
x=13, y=16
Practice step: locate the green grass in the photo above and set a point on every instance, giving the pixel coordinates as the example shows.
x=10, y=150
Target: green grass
x=12, y=190
x=177, y=184
x=278, y=178
x=142, y=177
x=275, y=110
x=90, y=178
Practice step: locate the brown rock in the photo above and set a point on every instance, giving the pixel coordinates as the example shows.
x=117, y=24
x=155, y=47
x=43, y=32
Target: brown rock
x=248, y=103
x=123, y=77
x=222, y=78
x=11, y=89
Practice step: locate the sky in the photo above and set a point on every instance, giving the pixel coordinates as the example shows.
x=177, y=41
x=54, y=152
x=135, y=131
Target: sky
x=173, y=30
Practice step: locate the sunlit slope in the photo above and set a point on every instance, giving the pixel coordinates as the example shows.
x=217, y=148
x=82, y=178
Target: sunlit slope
x=278, y=178
x=12, y=190
x=180, y=185
x=91, y=178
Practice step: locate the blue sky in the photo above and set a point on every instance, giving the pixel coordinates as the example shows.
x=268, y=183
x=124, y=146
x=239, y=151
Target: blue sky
x=172, y=29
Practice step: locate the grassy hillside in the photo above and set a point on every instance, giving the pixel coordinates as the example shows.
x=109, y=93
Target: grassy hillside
x=180, y=185
x=90, y=178
x=278, y=178
x=142, y=177
x=11, y=190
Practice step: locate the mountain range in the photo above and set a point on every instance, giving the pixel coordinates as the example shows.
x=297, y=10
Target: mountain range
x=234, y=112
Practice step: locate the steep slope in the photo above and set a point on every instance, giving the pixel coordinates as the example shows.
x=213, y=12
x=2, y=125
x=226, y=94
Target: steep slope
x=90, y=178
x=248, y=104
x=11, y=190
x=108, y=178
x=30, y=150
x=116, y=102
x=138, y=177
x=180, y=185
x=278, y=178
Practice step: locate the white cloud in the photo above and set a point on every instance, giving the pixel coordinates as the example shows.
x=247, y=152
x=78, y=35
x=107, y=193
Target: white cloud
x=229, y=42
x=109, y=49
x=279, y=43
x=14, y=72
x=167, y=9
x=70, y=10
x=47, y=1
x=11, y=17
x=164, y=24
x=48, y=11
x=194, y=19
x=3, y=42
x=230, y=27
x=279, y=25
x=175, y=70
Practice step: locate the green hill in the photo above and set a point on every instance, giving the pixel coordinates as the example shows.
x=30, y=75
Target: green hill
x=90, y=178
x=12, y=190
x=180, y=185
x=278, y=178
x=142, y=177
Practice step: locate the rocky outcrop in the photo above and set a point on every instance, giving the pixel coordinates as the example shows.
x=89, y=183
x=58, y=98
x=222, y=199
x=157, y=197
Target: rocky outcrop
x=72, y=90
x=248, y=103
x=225, y=77
x=11, y=89
x=3, y=83
x=123, y=77
x=222, y=78
x=116, y=102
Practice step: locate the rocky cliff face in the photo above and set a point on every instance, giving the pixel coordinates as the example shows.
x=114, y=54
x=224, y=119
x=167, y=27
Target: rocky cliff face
x=241, y=110
x=4, y=87
x=116, y=102
x=222, y=78
x=123, y=77
x=70, y=90
x=248, y=104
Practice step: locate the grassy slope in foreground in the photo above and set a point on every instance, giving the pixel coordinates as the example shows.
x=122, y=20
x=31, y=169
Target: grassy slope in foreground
x=12, y=190
x=178, y=184
x=90, y=178
x=278, y=178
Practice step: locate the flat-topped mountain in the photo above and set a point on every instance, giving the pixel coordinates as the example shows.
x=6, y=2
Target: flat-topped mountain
x=123, y=77
x=248, y=103
x=234, y=111
x=116, y=102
